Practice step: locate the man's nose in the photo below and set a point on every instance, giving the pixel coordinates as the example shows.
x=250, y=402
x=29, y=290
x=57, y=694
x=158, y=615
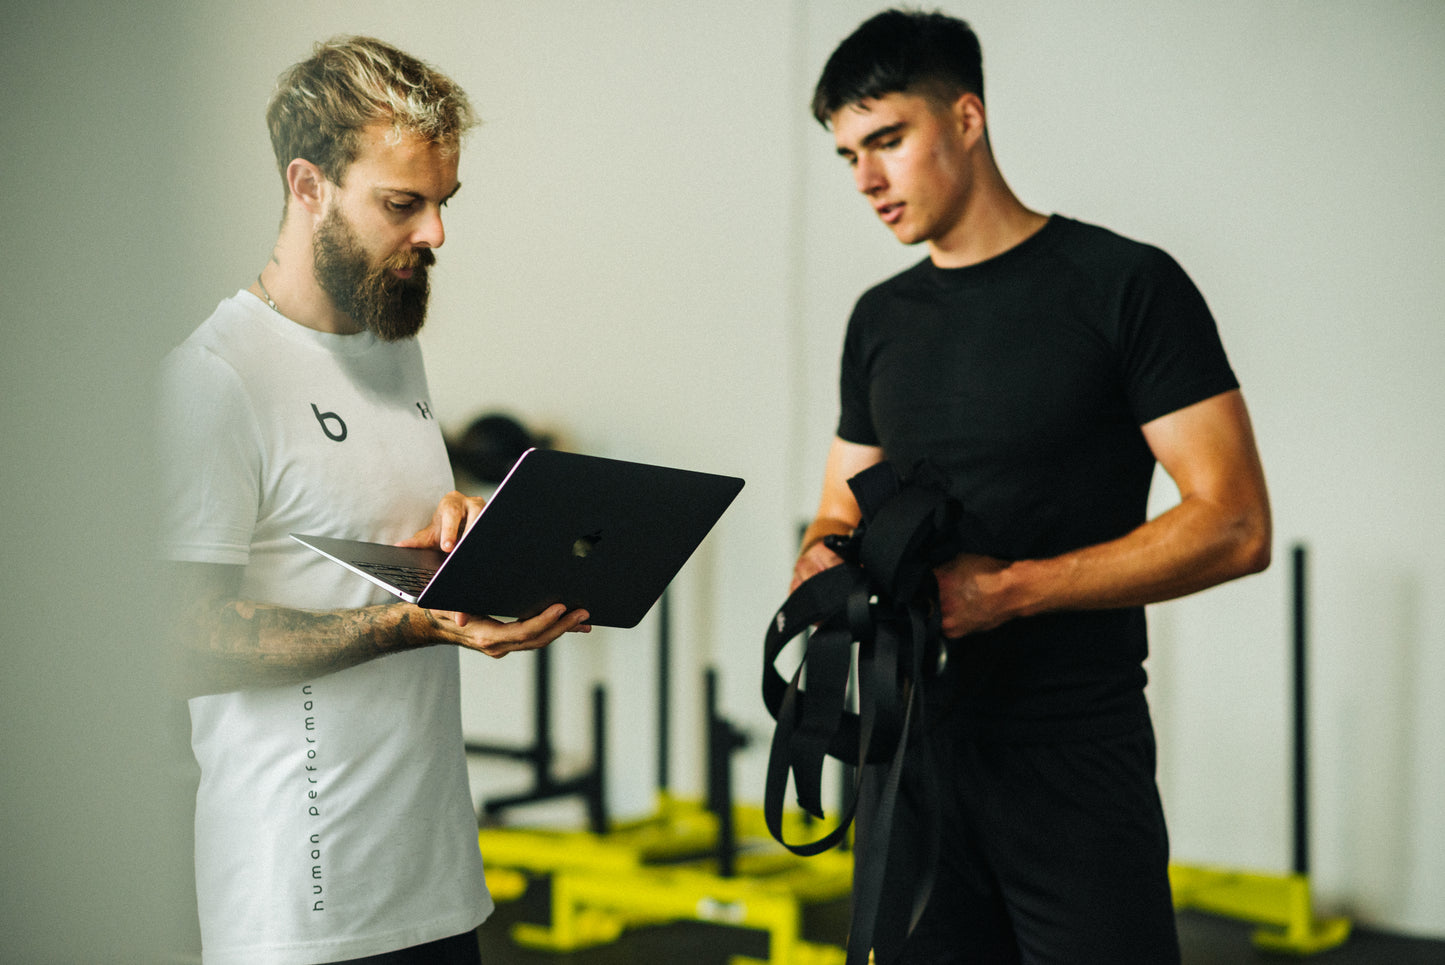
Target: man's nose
x=430, y=233
x=868, y=175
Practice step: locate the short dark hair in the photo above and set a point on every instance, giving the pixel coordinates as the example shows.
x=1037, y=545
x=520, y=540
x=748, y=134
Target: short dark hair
x=897, y=51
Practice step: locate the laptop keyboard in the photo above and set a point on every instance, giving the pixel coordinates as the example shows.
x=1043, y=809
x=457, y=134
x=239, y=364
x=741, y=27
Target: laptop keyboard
x=412, y=579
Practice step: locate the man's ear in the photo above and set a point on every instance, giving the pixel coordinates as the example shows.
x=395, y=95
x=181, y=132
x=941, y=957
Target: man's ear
x=969, y=113
x=307, y=185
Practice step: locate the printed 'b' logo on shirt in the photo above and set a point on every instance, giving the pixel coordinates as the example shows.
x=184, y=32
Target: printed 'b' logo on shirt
x=327, y=419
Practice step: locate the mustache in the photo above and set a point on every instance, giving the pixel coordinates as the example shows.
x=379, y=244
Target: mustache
x=410, y=260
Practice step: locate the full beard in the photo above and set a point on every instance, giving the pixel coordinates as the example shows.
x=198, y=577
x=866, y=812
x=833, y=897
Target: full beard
x=393, y=308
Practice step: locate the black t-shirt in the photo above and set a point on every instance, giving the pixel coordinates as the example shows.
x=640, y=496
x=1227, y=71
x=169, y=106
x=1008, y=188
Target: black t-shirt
x=1026, y=379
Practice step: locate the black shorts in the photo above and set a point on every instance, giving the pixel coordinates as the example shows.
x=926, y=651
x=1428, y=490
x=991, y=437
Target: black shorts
x=1051, y=854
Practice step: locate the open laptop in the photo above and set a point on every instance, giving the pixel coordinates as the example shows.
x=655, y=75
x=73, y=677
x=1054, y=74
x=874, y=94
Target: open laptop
x=598, y=534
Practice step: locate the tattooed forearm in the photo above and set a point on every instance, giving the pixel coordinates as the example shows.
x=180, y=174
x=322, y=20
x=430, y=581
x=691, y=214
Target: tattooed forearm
x=223, y=643
x=237, y=645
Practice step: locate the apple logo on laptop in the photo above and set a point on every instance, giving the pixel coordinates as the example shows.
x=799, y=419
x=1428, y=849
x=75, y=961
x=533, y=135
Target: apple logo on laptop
x=586, y=544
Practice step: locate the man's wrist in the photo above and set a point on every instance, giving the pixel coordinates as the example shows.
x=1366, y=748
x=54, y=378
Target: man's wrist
x=1021, y=587
x=412, y=626
x=819, y=531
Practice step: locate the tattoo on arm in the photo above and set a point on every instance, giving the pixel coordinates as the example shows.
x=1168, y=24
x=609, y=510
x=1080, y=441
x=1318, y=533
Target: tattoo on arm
x=229, y=644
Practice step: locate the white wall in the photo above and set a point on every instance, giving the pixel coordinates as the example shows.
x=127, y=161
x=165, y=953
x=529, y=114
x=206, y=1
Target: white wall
x=654, y=254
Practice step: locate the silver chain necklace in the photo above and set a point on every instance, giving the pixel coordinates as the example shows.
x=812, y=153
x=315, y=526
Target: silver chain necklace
x=269, y=300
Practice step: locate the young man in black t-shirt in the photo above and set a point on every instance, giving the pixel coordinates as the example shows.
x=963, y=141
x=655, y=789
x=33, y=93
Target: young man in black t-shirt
x=1044, y=365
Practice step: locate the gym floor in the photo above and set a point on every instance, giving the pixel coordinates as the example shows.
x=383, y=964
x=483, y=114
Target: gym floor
x=1204, y=939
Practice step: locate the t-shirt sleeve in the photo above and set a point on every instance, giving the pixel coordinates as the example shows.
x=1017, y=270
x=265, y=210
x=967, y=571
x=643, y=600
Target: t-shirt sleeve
x=209, y=446
x=1172, y=353
x=855, y=418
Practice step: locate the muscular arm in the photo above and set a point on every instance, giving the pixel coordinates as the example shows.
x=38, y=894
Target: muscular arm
x=1219, y=530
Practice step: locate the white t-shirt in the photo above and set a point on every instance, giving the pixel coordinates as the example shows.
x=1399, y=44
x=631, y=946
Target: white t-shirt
x=333, y=819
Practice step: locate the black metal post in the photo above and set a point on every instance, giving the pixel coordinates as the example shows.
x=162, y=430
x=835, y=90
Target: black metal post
x=722, y=740
x=597, y=789
x=719, y=789
x=1301, y=717
x=542, y=716
x=590, y=785
x=664, y=685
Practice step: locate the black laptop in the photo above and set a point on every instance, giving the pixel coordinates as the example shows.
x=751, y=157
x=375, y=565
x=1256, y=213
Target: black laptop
x=602, y=535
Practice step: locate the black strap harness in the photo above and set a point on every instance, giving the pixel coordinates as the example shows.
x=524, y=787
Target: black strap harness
x=884, y=598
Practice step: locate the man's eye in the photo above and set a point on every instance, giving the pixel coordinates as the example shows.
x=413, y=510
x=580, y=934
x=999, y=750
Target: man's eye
x=400, y=206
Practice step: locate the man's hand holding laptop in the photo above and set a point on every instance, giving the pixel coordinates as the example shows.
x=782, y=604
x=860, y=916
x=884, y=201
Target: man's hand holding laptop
x=454, y=516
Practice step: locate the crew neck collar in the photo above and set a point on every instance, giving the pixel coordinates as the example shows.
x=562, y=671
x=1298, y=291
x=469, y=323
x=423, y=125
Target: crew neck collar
x=356, y=343
x=1001, y=260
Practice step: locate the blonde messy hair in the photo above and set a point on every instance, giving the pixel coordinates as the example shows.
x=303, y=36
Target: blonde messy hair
x=321, y=104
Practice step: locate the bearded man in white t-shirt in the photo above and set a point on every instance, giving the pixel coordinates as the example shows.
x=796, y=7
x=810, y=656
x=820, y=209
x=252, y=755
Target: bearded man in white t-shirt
x=333, y=818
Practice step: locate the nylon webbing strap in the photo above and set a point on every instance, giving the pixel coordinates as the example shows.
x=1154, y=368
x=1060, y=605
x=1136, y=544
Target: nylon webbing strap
x=883, y=599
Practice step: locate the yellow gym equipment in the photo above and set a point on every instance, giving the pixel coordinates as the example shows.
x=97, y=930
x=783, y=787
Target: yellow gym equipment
x=590, y=908
x=1281, y=904
x=602, y=885
x=681, y=863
